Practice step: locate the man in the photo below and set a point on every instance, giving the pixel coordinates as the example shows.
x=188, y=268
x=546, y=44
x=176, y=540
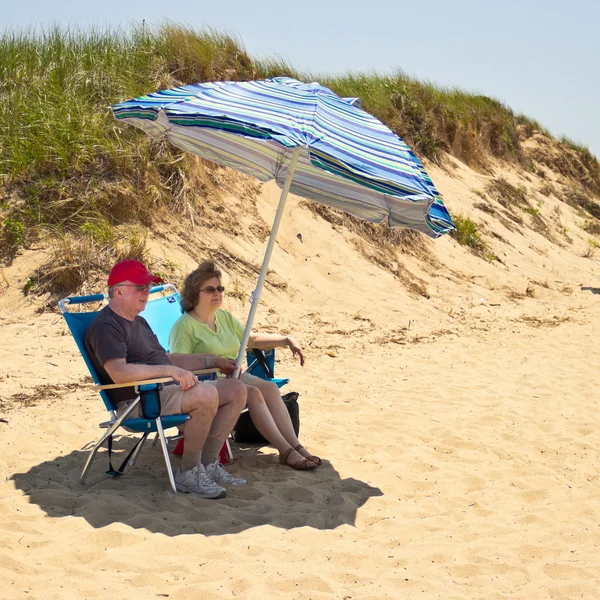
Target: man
x=123, y=348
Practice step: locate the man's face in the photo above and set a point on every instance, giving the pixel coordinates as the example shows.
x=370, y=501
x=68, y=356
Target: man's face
x=132, y=298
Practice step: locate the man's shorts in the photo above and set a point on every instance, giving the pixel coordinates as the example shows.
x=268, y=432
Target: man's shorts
x=171, y=397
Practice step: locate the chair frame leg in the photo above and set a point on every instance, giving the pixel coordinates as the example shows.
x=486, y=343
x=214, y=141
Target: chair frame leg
x=229, y=451
x=109, y=431
x=137, y=450
x=163, y=443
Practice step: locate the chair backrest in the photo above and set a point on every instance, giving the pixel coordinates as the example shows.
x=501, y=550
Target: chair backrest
x=255, y=368
x=160, y=313
x=78, y=322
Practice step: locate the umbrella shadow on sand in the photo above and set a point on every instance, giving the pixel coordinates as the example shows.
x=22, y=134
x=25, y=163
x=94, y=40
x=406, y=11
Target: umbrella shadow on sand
x=275, y=495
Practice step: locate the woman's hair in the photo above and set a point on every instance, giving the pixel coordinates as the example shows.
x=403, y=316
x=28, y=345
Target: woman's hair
x=193, y=284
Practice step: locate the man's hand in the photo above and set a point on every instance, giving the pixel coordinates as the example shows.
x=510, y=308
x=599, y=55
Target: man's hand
x=186, y=378
x=225, y=365
x=296, y=350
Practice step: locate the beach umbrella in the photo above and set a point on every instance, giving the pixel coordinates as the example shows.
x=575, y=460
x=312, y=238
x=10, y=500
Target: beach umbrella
x=309, y=140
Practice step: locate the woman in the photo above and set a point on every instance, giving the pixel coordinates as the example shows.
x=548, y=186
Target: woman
x=205, y=328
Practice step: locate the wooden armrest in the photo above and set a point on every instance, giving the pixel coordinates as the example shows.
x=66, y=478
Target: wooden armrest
x=114, y=386
x=205, y=371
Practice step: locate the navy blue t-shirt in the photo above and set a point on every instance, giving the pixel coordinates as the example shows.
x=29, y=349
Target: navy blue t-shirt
x=111, y=336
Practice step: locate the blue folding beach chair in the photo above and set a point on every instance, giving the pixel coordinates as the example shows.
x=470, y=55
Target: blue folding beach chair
x=160, y=313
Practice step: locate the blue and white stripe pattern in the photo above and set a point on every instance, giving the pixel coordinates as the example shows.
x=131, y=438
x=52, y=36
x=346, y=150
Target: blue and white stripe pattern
x=349, y=160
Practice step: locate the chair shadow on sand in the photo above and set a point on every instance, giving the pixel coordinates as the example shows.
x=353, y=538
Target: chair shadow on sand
x=275, y=495
x=594, y=290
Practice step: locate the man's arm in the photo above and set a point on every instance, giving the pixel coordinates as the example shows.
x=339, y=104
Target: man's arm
x=194, y=362
x=120, y=371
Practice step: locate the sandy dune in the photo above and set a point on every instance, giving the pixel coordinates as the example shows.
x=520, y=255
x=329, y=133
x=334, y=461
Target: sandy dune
x=460, y=432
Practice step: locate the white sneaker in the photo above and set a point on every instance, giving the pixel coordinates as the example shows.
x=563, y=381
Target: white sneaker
x=196, y=481
x=220, y=476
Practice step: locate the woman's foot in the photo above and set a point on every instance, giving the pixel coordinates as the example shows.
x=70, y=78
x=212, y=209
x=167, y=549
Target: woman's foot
x=292, y=458
x=306, y=454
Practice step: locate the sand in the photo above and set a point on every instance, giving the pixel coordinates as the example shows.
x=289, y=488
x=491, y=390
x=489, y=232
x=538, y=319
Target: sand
x=460, y=434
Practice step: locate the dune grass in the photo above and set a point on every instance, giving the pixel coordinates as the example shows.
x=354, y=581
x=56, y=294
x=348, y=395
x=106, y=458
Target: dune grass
x=467, y=234
x=71, y=171
x=65, y=160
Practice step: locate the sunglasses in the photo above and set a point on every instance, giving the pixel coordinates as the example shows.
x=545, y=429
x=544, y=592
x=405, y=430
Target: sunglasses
x=209, y=289
x=140, y=287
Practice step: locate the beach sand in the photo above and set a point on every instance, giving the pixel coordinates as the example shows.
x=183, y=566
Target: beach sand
x=460, y=436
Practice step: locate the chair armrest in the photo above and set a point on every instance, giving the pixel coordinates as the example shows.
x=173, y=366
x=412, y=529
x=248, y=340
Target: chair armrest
x=114, y=386
x=205, y=371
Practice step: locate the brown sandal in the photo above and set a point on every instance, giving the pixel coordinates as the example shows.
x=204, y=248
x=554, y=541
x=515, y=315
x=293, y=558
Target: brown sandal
x=302, y=465
x=312, y=457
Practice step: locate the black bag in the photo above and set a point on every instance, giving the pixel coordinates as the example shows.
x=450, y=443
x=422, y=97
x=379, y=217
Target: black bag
x=245, y=431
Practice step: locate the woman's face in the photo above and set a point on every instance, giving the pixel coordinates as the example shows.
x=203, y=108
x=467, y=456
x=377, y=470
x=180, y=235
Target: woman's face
x=210, y=297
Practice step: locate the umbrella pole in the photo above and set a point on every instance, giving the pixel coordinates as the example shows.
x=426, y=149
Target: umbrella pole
x=255, y=296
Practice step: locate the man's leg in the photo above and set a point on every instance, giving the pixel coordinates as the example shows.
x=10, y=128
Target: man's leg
x=200, y=403
x=232, y=400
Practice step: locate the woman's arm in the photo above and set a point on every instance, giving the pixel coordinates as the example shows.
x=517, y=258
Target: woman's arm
x=266, y=341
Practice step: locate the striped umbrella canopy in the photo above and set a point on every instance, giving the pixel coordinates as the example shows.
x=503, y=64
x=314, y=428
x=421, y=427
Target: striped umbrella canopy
x=309, y=140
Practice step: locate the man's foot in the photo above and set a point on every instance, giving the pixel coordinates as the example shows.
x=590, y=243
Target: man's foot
x=196, y=481
x=221, y=477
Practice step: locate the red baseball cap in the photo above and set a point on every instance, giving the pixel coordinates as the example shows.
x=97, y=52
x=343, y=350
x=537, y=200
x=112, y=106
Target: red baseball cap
x=131, y=270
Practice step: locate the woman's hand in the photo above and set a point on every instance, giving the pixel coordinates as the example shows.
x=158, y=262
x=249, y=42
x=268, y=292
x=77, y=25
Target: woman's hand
x=295, y=349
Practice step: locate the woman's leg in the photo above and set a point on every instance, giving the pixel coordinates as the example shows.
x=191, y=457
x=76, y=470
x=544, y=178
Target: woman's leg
x=277, y=408
x=262, y=419
x=281, y=416
x=264, y=422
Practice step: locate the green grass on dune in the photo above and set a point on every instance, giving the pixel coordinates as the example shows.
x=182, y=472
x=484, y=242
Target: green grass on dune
x=67, y=165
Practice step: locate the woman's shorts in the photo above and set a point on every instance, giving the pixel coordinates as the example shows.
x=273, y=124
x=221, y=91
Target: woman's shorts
x=250, y=379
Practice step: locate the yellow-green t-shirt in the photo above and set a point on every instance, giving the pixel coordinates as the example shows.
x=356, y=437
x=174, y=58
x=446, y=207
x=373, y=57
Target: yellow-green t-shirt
x=188, y=336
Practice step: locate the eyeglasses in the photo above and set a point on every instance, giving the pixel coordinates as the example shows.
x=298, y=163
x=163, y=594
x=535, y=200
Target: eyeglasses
x=140, y=287
x=209, y=289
